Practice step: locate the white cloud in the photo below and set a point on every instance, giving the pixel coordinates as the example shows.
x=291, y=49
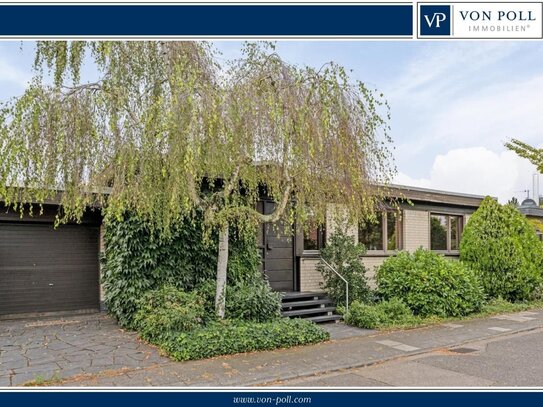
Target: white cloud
x=477, y=170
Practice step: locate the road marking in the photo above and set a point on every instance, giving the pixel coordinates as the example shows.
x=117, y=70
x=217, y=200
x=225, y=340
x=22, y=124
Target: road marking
x=454, y=326
x=515, y=318
x=398, y=345
x=499, y=329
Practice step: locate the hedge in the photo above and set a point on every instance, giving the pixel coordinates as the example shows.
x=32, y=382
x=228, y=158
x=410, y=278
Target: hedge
x=234, y=336
x=429, y=284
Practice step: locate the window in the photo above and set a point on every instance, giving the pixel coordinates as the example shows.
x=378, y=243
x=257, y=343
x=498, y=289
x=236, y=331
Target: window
x=383, y=234
x=445, y=232
x=314, y=237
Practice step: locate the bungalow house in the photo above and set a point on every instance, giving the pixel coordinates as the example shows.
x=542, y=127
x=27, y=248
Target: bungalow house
x=47, y=271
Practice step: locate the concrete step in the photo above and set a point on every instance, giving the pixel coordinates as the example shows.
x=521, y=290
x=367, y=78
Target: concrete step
x=310, y=311
x=301, y=295
x=307, y=303
x=325, y=318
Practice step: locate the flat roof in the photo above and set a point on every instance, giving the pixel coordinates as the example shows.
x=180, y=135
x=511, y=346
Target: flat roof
x=435, y=195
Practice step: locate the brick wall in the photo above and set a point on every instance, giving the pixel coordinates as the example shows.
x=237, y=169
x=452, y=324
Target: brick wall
x=416, y=230
x=310, y=278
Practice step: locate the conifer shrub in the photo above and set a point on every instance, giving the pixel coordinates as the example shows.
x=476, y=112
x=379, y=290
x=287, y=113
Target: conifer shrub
x=500, y=244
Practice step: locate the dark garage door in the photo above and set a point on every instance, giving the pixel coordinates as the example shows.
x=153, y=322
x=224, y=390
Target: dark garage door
x=43, y=269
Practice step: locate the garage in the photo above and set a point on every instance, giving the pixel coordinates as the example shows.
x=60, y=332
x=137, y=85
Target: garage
x=44, y=270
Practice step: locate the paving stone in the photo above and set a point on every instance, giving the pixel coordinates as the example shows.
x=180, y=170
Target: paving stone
x=42, y=361
x=56, y=346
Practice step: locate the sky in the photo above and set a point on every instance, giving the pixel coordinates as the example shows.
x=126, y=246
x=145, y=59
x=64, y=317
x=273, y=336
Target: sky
x=453, y=103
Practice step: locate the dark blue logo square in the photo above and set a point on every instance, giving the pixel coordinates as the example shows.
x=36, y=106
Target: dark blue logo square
x=435, y=20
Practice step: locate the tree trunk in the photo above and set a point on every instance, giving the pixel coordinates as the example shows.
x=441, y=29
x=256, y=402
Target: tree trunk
x=222, y=263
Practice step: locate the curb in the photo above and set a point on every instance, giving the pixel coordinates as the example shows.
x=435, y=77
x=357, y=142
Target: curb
x=388, y=359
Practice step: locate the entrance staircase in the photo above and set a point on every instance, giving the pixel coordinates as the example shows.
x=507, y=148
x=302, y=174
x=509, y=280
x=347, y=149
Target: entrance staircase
x=313, y=306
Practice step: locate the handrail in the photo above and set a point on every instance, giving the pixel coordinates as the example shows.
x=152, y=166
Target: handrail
x=344, y=280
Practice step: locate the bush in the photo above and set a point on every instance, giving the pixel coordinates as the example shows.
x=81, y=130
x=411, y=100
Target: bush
x=168, y=311
x=250, y=300
x=229, y=337
x=344, y=255
x=504, y=249
x=383, y=314
x=429, y=284
x=136, y=260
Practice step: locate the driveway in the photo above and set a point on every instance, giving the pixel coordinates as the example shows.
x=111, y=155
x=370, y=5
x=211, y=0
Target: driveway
x=63, y=347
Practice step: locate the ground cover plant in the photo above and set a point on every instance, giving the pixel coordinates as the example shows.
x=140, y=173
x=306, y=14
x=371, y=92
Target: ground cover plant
x=177, y=322
x=164, y=288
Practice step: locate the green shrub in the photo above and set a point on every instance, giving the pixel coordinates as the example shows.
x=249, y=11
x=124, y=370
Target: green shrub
x=429, y=284
x=383, y=314
x=342, y=253
x=235, y=336
x=168, y=311
x=136, y=260
x=504, y=249
x=250, y=300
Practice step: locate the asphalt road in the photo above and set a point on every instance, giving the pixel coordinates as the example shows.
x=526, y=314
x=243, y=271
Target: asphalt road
x=505, y=361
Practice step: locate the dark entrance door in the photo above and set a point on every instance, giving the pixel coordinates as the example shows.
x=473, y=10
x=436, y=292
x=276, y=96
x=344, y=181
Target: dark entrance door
x=276, y=242
x=43, y=269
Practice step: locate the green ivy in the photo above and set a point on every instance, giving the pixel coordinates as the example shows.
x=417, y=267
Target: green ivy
x=137, y=260
x=250, y=300
x=503, y=247
x=167, y=311
x=430, y=284
x=234, y=336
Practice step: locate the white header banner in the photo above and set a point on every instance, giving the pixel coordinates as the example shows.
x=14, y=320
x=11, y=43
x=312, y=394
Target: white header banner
x=480, y=20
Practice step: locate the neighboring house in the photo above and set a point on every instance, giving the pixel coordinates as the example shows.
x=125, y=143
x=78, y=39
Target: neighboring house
x=534, y=214
x=44, y=271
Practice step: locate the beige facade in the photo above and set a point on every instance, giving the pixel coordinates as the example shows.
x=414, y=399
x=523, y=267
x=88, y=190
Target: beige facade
x=415, y=231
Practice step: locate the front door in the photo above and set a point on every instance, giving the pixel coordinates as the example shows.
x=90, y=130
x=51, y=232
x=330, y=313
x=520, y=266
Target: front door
x=276, y=243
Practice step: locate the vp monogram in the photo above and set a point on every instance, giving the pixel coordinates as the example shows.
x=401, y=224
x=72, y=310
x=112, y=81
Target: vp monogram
x=437, y=18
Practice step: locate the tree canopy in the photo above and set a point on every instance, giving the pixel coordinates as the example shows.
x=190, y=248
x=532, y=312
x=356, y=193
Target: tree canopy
x=165, y=121
x=524, y=150
x=166, y=131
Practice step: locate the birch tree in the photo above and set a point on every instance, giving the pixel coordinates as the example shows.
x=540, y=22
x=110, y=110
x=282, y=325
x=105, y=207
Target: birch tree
x=167, y=132
x=524, y=150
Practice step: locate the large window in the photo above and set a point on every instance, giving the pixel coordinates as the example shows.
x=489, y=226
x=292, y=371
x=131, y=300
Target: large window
x=445, y=232
x=383, y=234
x=314, y=237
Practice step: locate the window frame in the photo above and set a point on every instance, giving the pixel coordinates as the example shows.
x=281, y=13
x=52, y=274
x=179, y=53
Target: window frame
x=321, y=240
x=384, y=235
x=460, y=231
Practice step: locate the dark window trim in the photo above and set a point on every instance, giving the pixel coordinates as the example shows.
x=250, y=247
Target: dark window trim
x=321, y=241
x=384, y=235
x=447, y=251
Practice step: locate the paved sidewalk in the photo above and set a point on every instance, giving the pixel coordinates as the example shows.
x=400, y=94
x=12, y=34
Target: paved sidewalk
x=273, y=367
